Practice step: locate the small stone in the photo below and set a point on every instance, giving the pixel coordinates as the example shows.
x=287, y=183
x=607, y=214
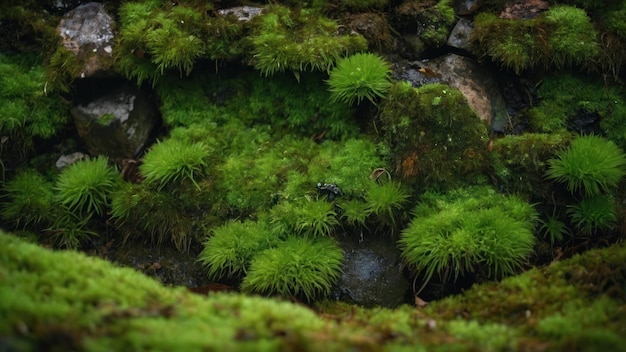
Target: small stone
x=69, y=159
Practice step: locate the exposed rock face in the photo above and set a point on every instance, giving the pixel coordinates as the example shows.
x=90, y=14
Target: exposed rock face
x=117, y=124
x=516, y=9
x=467, y=7
x=87, y=32
x=474, y=81
x=243, y=13
x=460, y=36
x=372, y=272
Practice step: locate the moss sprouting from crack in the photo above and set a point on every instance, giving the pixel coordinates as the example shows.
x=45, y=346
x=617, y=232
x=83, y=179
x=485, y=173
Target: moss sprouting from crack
x=436, y=139
x=94, y=306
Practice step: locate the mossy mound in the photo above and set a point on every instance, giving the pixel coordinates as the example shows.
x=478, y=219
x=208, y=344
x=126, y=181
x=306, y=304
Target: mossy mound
x=66, y=300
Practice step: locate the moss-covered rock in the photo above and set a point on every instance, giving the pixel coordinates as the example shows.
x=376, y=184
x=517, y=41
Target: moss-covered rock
x=65, y=300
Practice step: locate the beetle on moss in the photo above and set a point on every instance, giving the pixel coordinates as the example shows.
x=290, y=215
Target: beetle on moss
x=330, y=189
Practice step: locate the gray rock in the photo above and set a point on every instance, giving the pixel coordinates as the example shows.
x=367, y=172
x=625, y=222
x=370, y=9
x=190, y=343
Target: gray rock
x=117, y=124
x=87, y=32
x=475, y=82
x=460, y=36
x=243, y=13
x=372, y=273
x=467, y=7
x=69, y=159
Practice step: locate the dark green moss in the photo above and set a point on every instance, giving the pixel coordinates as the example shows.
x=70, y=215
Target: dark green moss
x=436, y=139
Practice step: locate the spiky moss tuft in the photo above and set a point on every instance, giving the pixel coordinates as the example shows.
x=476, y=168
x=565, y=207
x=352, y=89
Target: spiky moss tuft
x=85, y=187
x=386, y=201
x=591, y=165
x=28, y=198
x=300, y=40
x=436, y=139
x=560, y=37
x=519, y=162
x=306, y=217
x=593, y=214
x=29, y=110
x=297, y=267
x=173, y=162
x=360, y=76
x=230, y=248
x=468, y=231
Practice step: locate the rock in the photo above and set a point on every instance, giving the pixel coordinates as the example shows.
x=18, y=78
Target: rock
x=475, y=82
x=372, y=273
x=460, y=36
x=60, y=7
x=243, y=13
x=118, y=123
x=524, y=9
x=467, y=7
x=87, y=32
x=374, y=28
x=69, y=159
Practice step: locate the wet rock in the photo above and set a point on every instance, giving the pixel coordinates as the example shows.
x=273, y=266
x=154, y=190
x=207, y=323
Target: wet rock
x=467, y=7
x=475, y=82
x=243, y=13
x=60, y=7
x=87, y=32
x=372, y=272
x=117, y=123
x=460, y=36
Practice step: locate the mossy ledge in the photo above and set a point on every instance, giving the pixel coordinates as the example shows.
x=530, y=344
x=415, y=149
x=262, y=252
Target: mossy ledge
x=97, y=306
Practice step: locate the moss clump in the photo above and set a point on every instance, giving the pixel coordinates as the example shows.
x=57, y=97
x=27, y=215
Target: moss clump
x=436, y=139
x=519, y=162
x=590, y=166
x=358, y=77
x=230, y=248
x=567, y=99
x=296, y=267
x=29, y=110
x=560, y=37
x=469, y=231
x=299, y=40
x=28, y=198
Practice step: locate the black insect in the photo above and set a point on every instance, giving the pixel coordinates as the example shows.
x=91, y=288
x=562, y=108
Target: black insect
x=329, y=189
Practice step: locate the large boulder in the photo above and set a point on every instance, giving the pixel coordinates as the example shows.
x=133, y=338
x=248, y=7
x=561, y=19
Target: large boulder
x=118, y=123
x=88, y=32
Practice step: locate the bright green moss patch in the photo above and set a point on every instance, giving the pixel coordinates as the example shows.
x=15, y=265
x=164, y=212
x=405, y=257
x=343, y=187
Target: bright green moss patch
x=94, y=306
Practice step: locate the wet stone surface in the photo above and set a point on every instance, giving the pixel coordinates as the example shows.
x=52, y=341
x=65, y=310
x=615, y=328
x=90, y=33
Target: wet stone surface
x=372, y=273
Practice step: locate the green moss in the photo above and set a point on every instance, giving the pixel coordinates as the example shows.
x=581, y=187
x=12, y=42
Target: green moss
x=565, y=97
x=299, y=40
x=437, y=24
x=593, y=215
x=85, y=187
x=469, y=231
x=296, y=267
x=436, y=139
x=592, y=165
x=96, y=306
x=230, y=248
x=560, y=37
x=519, y=162
x=29, y=110
x=173, y=162
x=358, y=77
x=27, y=200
